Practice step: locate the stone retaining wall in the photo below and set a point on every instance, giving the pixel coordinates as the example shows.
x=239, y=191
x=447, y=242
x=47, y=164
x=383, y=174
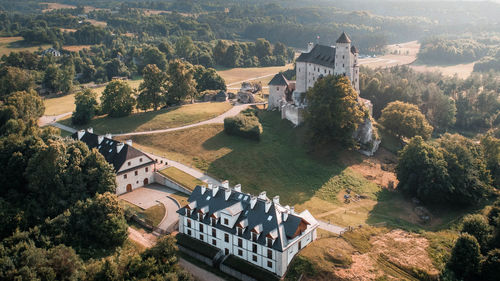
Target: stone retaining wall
x=161, y=179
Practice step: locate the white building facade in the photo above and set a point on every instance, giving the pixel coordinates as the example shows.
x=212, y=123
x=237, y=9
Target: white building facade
x=133, y=168
x=255, y=229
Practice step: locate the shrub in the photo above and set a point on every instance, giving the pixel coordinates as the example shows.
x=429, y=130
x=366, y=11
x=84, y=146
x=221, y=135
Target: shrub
x=465, y=257
x=246, y=124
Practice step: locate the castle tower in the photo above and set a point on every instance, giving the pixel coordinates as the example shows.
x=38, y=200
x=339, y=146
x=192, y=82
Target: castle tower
x=343, y=60
x=355, y=68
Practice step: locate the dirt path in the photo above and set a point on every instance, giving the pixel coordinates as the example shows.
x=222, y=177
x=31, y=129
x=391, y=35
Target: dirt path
x=145, y=239
x=216, y=120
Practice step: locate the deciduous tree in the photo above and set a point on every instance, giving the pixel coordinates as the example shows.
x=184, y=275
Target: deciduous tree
x=405, y=120
x=182, y=84
x=86, y=107
x=333, y=111
x=153, y=89
x=465, y=258
x=117, y=100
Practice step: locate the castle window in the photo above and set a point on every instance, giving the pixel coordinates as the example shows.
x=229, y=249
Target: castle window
x=147, y=169
x=254, y=236
x=128, y=163
x=269, y=242
x=188, y=212
x=135, y=173
x=343, y=65
x=240, y=242
x=240, y=231
x=214, y=221
x=254, y=258
x=270, y=264
x=214, y=232
x=201, y=236
x=240, y=252
x=269, y=254
x=201, y=227
x=140, y=159
x=214, y=242
x=254, y=248
x=226, y=237
x=343, y=57
x=189, y=232
x=277, y=88
x=125, y=176
x=226, y=221
x=188, y=223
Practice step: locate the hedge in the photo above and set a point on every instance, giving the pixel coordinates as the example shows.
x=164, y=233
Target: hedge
x=249, y=269
x=246, y=124
x=197, y=246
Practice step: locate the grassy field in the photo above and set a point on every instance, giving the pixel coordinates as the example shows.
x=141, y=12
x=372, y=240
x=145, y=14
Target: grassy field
x=309, y=179
x=76, y=48
x=234, y=75
x=180, y=197
x=62, y=104
x=152, y=215
x=181, y=177
x=15, y=44
x=161, y=119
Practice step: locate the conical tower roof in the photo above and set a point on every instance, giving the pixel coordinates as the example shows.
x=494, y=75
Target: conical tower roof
x=344, y=38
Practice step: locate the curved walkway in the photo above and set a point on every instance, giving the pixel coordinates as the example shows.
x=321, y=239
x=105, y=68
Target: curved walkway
x=216, y=120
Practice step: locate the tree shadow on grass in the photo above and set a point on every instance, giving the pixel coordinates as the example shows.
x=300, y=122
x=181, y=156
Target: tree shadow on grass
x=280, y=163
x=395, y=210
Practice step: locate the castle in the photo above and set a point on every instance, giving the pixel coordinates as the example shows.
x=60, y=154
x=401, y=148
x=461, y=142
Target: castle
x=318, y=61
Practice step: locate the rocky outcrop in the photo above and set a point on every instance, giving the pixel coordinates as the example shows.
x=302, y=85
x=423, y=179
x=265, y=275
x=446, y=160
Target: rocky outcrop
x=245, y=97
x=367, y=137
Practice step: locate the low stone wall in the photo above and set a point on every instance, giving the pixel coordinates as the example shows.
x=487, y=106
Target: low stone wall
x=196, y=255
x=292, y=113
x=161, y=179
x=235, y=273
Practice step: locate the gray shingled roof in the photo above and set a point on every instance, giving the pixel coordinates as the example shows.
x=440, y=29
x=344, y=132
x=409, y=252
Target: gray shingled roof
x=279, y=80
x=354, y=50
x=267, y=223
x=344, y=38
x=320, y=54
x=108, y=148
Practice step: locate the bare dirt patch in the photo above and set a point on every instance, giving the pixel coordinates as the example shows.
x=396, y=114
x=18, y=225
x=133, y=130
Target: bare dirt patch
x=56, y=6
x=462, y=70
x=97, y=23
x=142, y=237
x=378, y=169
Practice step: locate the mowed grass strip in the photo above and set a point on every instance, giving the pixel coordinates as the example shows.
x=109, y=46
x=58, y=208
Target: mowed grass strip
x=153, y=120
x=181, y=177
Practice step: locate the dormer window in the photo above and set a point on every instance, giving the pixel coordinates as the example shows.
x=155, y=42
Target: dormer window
x=254, y=236
x=240, y=231
x=214, y=221
x=200, y=216
x=226, y=221
x=188, y=212
x=270, y=242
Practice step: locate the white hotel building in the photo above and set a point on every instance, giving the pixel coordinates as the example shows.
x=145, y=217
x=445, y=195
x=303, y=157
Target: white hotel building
x=255, y=229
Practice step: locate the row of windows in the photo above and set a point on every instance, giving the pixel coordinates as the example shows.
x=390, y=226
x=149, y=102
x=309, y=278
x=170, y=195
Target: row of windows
x=130, y=163
x=240, y=251
x=136, y=172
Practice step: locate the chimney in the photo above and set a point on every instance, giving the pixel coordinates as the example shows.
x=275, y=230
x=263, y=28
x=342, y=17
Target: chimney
x=310, y=46
x=215, y=189
x=203, y=189
x=90, y=130
x=276, y=199
x=225, y=184
x=227, y=193
x=237, y=187
x=109, y=136
x=128, y=142
x=262, y=195
x=253, y=200
x=80, y=134
x=285, y=215
x=99, y=139
x=268, y=205
x=119, y=147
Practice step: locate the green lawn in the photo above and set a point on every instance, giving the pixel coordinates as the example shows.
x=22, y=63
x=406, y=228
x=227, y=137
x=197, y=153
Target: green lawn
x=181, y=177
x=153, y=215
x=153, y=120
x=180, y=197
x=282, y=164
